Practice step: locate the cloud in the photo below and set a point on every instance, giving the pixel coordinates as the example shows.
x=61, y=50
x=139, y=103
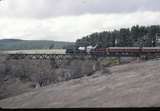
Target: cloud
x=69, y=28
x=51, y=8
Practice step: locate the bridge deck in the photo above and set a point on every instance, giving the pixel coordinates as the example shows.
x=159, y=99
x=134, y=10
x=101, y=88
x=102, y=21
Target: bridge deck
x=61, y=54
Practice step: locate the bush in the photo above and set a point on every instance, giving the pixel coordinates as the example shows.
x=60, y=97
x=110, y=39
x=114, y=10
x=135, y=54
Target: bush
x=105, y=62
x=44, y=72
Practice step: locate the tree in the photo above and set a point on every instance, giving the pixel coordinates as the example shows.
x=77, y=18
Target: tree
x=152, y=31
x=125, y=39
x=137, y=36
x=52, y=46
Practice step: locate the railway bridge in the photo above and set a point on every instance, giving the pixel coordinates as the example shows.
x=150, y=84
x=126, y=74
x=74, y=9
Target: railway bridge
x=51, y=55
x=61, y=55
x=58, y=59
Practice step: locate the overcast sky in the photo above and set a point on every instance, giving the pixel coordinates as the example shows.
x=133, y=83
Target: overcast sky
x=67, y=20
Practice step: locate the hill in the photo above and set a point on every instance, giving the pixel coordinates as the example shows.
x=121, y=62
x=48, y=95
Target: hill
x=136, y=36
x=130, y=85
x=13, y=44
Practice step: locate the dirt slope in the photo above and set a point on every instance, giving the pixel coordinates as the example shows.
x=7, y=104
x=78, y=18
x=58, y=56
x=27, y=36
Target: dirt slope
x=130, y=85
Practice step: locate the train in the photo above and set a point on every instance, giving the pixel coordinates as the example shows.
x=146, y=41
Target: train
x=91, y=51
x=115, y=50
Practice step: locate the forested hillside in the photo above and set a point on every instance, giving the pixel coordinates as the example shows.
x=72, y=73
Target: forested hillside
x=135, y=36
x=13, y=44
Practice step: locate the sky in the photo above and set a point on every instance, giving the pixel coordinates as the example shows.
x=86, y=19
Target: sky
x=69, y=20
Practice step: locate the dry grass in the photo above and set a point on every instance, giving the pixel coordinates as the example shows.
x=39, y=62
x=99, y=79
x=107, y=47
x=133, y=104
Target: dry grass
x=130, y=85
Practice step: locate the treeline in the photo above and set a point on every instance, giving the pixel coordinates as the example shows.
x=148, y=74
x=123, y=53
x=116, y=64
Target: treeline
x=136, y=36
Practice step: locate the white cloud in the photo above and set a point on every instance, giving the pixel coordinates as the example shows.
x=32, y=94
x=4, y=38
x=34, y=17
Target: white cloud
x=49, y=8
x=69, y=28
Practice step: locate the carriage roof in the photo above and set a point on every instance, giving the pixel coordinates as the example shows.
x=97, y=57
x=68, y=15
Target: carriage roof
x=123, y=47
